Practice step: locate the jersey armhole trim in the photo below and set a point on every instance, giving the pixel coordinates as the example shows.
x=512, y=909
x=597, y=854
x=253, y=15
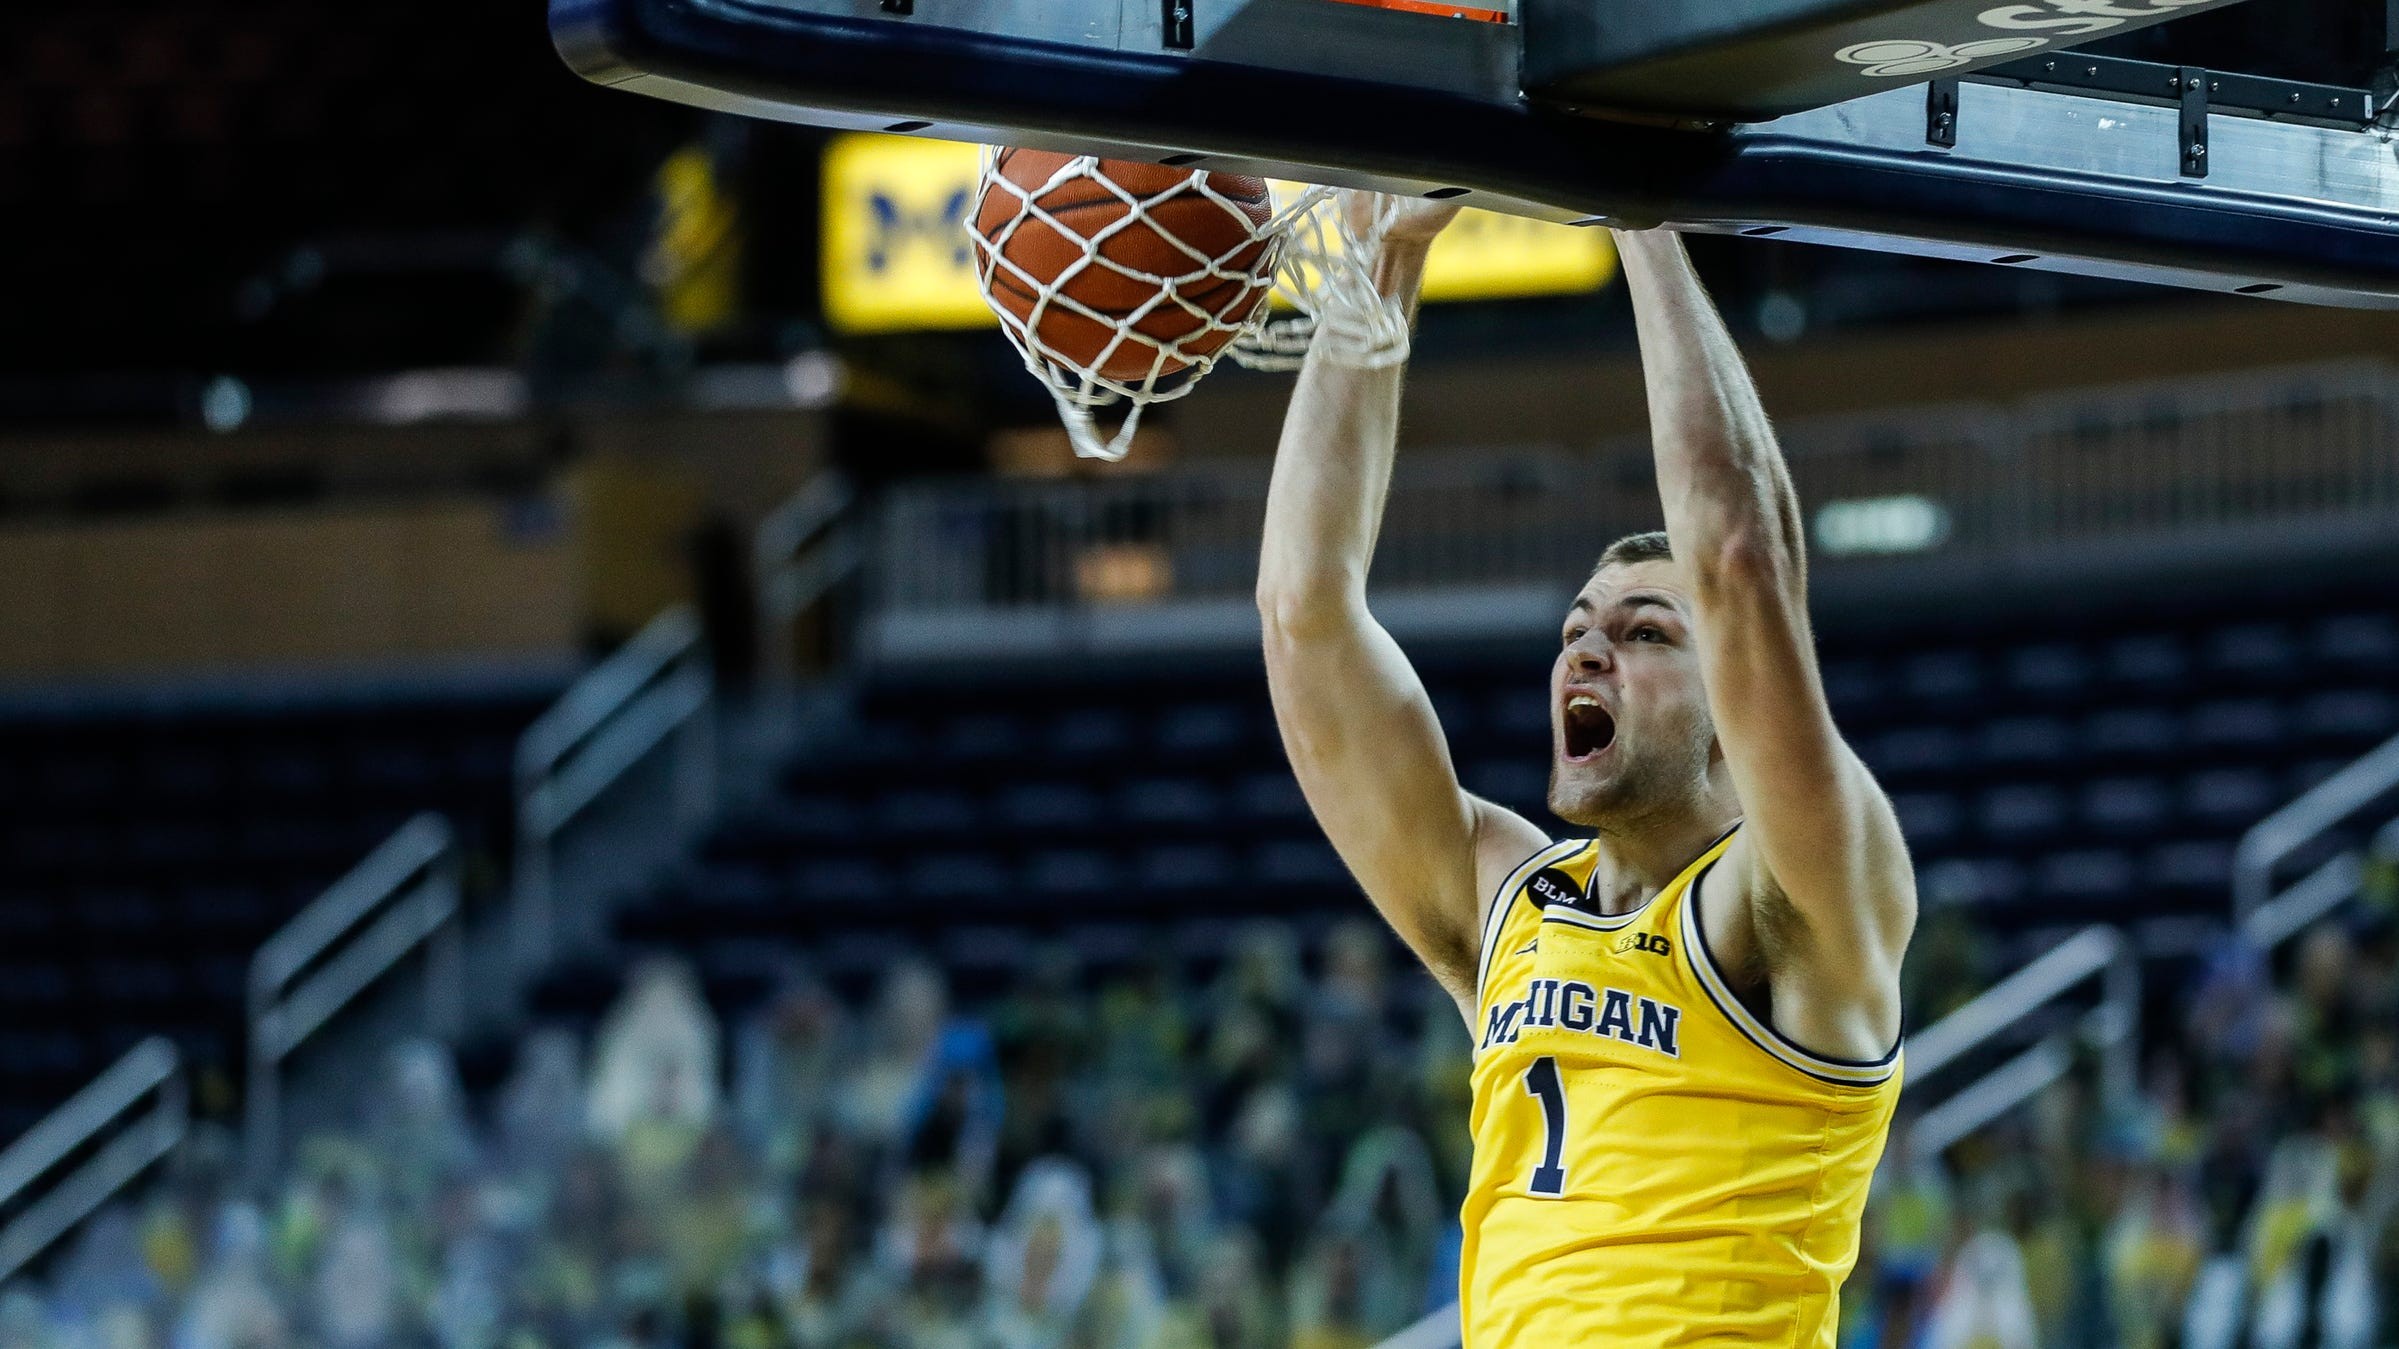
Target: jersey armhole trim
x=1505, y=900
x=1832, y=1071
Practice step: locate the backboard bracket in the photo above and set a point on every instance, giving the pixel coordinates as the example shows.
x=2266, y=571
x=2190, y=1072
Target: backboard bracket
x=2193, y=122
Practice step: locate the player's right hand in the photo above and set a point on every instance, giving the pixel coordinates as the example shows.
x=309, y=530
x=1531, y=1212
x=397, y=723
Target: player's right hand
x=1381, y=215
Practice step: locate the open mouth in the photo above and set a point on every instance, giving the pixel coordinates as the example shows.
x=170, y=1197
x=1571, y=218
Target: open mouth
x=1589, y=728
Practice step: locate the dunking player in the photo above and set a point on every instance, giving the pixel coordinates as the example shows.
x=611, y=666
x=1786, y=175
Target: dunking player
x=1686, y=1025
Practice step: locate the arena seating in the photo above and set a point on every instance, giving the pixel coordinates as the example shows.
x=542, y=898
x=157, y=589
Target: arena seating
x=2095, y=772
x=151, y=848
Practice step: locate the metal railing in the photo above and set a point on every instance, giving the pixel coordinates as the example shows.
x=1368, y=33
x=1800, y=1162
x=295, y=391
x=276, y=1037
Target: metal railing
x=2112, y=1027
x=804, y=550
x=2274, y=840
x=2154, y=460
x=406, y=895
x=152, y=1073
x=657, y=691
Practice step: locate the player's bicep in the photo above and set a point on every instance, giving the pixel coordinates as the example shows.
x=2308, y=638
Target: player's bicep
x=1816, y=822
x=1371, y=760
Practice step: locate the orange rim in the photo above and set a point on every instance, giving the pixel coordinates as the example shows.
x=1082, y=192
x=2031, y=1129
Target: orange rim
x=1429, y=7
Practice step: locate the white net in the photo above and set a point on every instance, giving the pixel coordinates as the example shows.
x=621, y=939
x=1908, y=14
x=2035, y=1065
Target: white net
x=1309, y=252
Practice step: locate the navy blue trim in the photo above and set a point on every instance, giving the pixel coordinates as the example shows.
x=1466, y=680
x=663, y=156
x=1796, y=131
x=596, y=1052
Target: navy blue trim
x=1502, y=904
x=1699, y=933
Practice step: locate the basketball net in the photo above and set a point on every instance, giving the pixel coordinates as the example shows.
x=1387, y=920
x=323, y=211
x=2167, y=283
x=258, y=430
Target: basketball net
x=1321, y=264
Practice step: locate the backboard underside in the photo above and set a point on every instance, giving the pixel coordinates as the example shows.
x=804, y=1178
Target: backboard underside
x=2012, y=166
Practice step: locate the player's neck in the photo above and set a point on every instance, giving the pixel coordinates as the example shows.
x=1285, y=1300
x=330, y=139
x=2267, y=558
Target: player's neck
x=1637, y=859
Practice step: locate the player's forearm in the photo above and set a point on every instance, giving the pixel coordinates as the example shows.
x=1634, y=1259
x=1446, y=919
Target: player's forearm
x=1332, y=472
x=1729, y=505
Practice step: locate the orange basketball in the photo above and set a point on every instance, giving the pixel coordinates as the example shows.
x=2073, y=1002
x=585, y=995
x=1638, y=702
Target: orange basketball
x=1221, y=271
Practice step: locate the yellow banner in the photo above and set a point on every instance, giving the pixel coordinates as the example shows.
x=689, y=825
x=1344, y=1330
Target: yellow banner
x=896, y=257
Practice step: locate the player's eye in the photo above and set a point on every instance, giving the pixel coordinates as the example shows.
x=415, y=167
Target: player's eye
x=1646, y=633
x=1572, y=636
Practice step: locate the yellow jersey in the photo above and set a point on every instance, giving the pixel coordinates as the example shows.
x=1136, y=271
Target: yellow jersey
x=1653, y=1164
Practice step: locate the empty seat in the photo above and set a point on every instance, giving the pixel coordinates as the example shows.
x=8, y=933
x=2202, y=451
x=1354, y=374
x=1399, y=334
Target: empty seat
x=1202, y=728
x=924, y=810
x=1046, y=806
x=2190, y=868
x=2251, y=652
x=2131, y=733
x=1071, y=871
x=2146, y=660
x=2228, y=796
x=1917, y=750
x=1853, y=686
x=1927, y=818
x=1521, y=783
x=814, y=818
x=2101, y=874
x=2236, y=723
x=2357, y=642
x=970, y=878
x=1187, y=866
x=2126, y=805
x=2048, y=670
x=2019, y=741
x=1942, y=676
x=1299, y=863
x=2020, y=812
x=1973, y=880
x=1270, y=797
x=1520, y=713
x=1091, y=732
x=1168, y=801
x=2359, y=715
x=983, y=735
x=842, y=880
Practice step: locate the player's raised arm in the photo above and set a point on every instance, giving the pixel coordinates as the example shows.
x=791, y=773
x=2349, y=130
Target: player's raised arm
x=1355, y=720
x=1832, y=897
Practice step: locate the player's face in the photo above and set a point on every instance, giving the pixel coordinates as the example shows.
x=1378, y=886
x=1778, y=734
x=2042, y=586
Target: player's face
x=1629, y=724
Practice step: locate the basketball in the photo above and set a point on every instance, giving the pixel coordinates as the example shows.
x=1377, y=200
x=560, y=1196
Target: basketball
x=1182, y=275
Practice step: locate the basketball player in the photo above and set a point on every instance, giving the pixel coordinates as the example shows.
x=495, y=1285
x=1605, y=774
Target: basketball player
x=1686, y=1024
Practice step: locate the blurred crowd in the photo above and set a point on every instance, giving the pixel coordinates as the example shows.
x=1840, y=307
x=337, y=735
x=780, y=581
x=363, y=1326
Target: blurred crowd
x=2248, y=1198
x=1128, y=1160
x=1271, y=1155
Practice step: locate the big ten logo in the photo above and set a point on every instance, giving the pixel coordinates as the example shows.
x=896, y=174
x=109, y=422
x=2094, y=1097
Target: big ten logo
x=1898, y=58
x=896, y=253
x=1648, y=942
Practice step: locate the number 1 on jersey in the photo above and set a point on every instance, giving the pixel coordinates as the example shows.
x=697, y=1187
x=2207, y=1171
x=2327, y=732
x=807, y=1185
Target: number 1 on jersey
x=1541, y=1080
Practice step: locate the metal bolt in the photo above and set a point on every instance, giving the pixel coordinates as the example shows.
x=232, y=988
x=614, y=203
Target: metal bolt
x=2090, y=72
x=2294, y=98
x=2050, y=66
x=2198, y=152
x=2214, y=85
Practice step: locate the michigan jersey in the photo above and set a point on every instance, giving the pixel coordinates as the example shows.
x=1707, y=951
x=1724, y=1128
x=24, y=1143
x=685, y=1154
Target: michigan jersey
x=1653, y=1164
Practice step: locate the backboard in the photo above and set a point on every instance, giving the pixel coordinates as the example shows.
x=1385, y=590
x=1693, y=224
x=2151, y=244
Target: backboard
x=1801, y=119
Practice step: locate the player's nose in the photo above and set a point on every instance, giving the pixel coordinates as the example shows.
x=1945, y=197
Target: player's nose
x=1590, y=652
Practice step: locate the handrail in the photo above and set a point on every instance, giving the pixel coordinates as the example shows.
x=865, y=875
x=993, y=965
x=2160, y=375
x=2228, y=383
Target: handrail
x=658, y=685
x=803, y=549
x=2273, y=839
x=153, y=1068
x=603, y=691
x=2113, y=1026
x=406, y=894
